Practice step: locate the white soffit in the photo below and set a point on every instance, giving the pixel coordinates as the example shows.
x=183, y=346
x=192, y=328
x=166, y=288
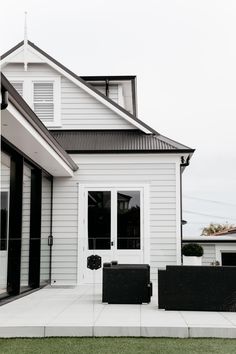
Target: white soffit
x=19, y=132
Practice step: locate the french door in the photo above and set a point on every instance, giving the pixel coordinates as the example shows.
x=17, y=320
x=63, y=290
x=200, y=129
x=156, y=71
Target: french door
x=113, y=226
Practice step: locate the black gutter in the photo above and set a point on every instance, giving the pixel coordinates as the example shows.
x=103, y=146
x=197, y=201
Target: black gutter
x=184, y=163
x=109, y=77
x=169, y=151
x=32, y=118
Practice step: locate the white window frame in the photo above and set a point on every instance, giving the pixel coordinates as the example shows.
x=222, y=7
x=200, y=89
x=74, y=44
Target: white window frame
x=28, y=94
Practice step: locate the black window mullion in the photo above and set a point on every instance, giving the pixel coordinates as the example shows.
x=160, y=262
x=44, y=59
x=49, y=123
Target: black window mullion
x=35, y=228
x=15, y=225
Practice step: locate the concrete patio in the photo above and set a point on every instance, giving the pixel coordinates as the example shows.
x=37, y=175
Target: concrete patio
x=79, y=312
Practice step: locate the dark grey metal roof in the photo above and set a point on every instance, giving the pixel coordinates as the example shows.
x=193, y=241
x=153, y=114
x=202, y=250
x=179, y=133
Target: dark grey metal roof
x=31, y=117
x=101, y=141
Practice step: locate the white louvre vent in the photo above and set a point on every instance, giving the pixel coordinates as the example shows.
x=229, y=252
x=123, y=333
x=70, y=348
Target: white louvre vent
x=44, y=101
x=18, y=86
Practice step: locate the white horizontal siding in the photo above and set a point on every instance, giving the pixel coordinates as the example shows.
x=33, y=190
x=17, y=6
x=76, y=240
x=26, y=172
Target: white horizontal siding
x=161, y=177
x=79, y=110
x=65, y=232
x=209, y=255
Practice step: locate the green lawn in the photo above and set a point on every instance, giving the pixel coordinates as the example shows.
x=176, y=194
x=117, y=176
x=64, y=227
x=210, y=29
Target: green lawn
x=117, y=346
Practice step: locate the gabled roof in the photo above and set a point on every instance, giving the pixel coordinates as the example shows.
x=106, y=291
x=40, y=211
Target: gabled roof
x=116, y=141
x=106, y=100
x=35, y=122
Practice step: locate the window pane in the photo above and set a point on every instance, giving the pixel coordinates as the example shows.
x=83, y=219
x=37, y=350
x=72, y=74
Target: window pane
x=228, y=258
x=4, y=221
x=128, y=220
x=99, y=220
x=5, y=194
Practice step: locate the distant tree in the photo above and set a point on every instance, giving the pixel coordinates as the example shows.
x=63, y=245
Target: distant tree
x=213, y=228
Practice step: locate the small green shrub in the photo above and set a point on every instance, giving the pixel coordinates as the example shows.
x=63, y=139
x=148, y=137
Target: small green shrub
x=192, y=249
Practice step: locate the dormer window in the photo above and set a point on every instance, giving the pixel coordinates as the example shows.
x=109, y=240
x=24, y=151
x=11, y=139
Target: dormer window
x=43, y=96
x=120, y=89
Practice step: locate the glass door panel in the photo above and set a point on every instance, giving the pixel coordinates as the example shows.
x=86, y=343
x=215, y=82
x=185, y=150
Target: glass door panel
x=99, y=220
x=5, y=192
x=128, y=220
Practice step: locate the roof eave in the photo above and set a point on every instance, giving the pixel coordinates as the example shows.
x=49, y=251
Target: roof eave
x=31, y=117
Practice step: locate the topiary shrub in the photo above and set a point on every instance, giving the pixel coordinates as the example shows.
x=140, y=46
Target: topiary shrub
x=192, y=250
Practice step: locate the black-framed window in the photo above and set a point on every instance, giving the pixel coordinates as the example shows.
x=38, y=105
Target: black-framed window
x=23, y=247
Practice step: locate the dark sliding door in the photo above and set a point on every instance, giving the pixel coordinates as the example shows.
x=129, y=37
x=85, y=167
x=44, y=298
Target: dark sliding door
x=26, y=210
x=5, y=193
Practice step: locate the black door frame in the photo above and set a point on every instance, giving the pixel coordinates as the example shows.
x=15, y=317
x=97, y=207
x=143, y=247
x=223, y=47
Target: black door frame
x=15, y=220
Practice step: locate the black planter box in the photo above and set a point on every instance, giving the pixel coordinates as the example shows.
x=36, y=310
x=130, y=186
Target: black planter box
x=126, y=283
x=197, y=288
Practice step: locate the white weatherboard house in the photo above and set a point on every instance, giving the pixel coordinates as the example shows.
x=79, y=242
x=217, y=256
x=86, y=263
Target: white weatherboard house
x=115, y=182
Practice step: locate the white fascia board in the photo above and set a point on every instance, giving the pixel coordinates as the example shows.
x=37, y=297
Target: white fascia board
x=85, y=88
x=63, y=168
x=9, y=58
x=126, y=158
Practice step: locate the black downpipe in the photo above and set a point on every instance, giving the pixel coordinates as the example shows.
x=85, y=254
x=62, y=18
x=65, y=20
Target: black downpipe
x=184, y=163
x=50, y=237
x=107, y=87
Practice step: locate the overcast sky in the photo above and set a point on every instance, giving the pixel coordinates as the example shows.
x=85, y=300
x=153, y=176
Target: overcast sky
x=184, y=55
